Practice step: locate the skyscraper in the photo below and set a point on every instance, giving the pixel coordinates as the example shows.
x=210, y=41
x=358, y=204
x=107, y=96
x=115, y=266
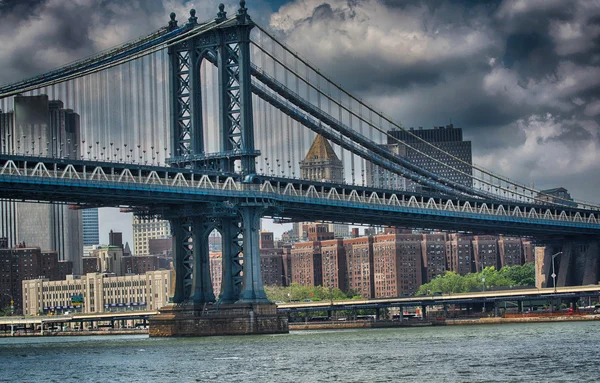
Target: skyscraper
x=145, y=229
x=91, y=235
x=410, y=145
x=39, y=126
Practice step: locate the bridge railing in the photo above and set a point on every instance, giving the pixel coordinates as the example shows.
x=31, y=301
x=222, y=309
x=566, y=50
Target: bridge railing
x=172, y=179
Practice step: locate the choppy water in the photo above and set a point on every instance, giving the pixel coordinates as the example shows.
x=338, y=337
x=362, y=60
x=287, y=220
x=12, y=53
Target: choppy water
x=552, y=352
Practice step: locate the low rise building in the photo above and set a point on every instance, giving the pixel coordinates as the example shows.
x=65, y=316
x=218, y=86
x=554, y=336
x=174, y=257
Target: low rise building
x=100, y=292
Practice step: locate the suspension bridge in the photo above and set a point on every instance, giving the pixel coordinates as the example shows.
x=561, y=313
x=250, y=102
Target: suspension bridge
x=205, y=124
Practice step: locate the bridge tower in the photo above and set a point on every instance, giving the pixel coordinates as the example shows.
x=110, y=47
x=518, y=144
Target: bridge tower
x=225, y=44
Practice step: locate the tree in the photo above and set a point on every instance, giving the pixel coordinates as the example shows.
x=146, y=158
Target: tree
x=298, y=292
x=521, y=275
x=489, y=277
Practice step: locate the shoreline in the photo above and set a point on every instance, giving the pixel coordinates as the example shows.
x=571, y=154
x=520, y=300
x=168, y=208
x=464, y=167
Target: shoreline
x=301, y=326
x=442, y=322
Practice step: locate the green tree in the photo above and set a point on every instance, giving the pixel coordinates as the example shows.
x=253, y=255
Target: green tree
x=489, y=277
x=298, y=292
x=521, y=275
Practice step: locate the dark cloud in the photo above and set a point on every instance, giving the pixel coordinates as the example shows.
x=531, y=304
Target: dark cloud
x=520, y=77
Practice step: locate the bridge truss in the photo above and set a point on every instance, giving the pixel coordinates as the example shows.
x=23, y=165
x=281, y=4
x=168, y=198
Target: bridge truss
x=177, y=139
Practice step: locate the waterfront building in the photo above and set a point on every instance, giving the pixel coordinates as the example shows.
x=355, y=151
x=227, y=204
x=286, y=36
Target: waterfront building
x=306, y=263
x=485, y=251
x=113, y=259
x=409, y=263
x=39, y=126
x=271, y=266
x=19, y=264
x=528, y=250
x=385, y=266
x=287, y=264
x=359, y=264
x=459, y=253
x=510, y=250
x=433, y=248
x=333, y=257
x=145, y=229
x=101, y=292
x=216, y=270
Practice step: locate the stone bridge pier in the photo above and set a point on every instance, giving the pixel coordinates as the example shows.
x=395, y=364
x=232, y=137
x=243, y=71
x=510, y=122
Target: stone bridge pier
x=242, y=307
x=576, y=262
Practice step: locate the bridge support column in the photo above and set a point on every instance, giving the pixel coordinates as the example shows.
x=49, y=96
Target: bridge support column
x=182, y=257
x=202, y=284
x=252, y=288
x=231, y=234
x=578, y=263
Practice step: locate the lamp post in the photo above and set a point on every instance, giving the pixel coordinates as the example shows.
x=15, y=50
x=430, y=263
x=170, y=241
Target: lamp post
x=289, y=282
x=483, y=284
x=553, y=272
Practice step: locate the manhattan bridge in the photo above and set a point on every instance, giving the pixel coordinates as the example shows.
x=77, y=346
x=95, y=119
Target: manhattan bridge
x=204, y=123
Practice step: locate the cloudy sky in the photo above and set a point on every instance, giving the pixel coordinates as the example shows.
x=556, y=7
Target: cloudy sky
x=521, y=77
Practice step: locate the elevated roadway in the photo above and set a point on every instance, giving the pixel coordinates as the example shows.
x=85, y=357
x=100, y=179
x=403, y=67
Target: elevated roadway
x=566, y=293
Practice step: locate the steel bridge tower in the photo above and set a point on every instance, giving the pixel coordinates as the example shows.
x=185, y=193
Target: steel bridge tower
x=226, y=45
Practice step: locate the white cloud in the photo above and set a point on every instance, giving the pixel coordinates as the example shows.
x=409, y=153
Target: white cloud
x=412, y=35
x=592, y=109
x=545, y=154
x=554, y=91
x=511, y=8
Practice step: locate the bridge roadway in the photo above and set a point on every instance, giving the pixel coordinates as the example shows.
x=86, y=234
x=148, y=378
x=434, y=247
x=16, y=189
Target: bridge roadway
x=567, y=293
x=19, y=321
x=157, y=187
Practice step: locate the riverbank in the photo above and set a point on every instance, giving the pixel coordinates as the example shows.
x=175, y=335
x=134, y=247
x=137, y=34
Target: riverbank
x=360, y=324
x=441, y=322
x=524, y=319
x=76, y=333
x=340, y=325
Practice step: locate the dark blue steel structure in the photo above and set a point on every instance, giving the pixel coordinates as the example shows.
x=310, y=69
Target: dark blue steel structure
x=229, y=44
x=181, y=195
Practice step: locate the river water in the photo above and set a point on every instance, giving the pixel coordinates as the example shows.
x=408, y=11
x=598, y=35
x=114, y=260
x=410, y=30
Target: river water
x=542, y=352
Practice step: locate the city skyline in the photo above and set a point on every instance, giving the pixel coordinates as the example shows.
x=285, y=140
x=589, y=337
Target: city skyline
x=526, y=73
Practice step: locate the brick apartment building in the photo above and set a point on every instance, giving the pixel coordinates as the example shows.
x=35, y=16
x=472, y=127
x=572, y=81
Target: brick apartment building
x=20, y=264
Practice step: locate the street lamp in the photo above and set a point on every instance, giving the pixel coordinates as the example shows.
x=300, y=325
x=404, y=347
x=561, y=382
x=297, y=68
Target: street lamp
x=289, y=282
x=553, y=272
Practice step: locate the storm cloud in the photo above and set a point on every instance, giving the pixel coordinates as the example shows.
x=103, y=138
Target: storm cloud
x=522, y=78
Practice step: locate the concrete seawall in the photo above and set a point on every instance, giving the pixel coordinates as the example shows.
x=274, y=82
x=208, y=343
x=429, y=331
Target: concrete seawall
x=75, y=333
x=540, y=319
